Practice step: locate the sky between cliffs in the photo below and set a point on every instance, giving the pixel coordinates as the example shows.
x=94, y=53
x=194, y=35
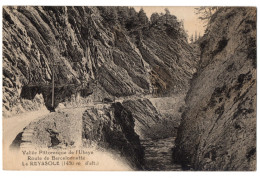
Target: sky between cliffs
x=190, y=19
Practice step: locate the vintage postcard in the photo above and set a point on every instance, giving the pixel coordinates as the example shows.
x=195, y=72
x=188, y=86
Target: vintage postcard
x=120, y=88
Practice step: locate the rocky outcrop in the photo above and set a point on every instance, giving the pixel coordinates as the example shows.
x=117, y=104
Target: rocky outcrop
x=218, y=129
x=112, y=127
x=145, y=115
x=91, y=56
x=152, y=122
x=108, y=128
x=62, y=129
x=171, y=60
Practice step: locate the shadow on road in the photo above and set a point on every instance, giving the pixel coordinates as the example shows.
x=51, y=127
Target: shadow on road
x=17, y=142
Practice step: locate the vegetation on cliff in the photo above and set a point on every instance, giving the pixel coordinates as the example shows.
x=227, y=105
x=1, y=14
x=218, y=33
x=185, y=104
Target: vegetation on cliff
x=218, y=127
x=107, y=51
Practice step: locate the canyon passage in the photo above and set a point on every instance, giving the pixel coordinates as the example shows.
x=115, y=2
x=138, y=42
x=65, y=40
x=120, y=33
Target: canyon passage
x=137, y=91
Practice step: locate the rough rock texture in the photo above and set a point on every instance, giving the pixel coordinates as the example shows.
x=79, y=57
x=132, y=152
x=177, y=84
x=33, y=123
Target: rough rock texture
x=171, y=60
x=62, y=129
x=149, y=122
x=170, y=109
x=112, y=127
x=105, y=127
x=218, y=129
x=145, y=115
x=92, y=56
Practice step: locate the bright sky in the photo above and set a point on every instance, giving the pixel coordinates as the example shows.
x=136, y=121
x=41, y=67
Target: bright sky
x=187, y=13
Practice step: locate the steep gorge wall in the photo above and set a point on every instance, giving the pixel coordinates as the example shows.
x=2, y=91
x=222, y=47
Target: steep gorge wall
x=145, y=115
x=218, y=128
x=94, y=57
x=152, y=122
x=113, y=128
x=172, y=61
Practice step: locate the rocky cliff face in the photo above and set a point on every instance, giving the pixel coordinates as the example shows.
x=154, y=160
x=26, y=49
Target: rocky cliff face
x=112, y=127
x=218, y=129
x=91, y=56
x=152, y=122
x=145, y=115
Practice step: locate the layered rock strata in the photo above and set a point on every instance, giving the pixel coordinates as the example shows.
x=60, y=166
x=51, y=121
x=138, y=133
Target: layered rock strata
x=218, y=128
x=90, y=57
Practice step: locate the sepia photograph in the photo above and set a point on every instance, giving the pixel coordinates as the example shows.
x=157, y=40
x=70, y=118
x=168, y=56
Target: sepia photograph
x=129, y=88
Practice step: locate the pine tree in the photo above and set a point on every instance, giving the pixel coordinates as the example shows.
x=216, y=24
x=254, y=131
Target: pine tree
x=154, y=18
x=109, y=13
x=123, y=15
x=142, y=17
x=196, y=37
x=205, y=13
x=191, y=38
x=167, y=15
x=132, y=21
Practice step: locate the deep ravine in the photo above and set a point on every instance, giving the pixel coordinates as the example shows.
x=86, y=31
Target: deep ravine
x=158, y=155
x=195, y=102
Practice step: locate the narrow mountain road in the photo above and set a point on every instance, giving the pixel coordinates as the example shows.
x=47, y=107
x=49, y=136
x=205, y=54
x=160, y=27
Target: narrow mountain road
x=158, y=153
x=12, y=126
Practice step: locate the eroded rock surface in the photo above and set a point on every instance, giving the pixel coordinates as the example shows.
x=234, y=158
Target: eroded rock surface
x=152, y=122
x=62, y=129
x=218, y=130
x=92, y=56
x=112, y=127
x=106, y=128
